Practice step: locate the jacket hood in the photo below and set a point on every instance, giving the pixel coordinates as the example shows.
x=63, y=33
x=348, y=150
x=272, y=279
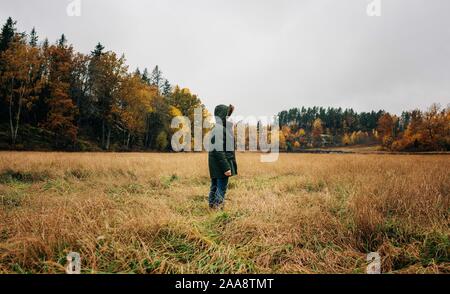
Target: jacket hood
x=221, y=111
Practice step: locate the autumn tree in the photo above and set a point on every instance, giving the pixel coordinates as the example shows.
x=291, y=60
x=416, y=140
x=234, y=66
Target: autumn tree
x=132, y=106
x=162, y=141
x=317, y=132
x=20, y=80
x=185, y=101
x=428, y=131
x=386, y=131
x=412, y=137
x=434, y=127
x=346, y=139
x=79, y=91
x=301, y=137
x=106, y=71
x=158, y=121
x=6, y=36
x=282, y=140
x=62, y=111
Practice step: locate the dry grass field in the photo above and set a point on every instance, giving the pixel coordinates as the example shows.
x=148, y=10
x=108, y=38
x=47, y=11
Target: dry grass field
x=148, y=213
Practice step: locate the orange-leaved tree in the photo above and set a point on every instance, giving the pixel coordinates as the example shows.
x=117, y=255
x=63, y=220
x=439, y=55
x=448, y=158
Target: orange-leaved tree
x=386, y=129
x=62, y=111
x=20, y=80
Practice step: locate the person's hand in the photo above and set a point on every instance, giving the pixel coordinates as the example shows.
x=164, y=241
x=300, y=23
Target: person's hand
x=228, y=173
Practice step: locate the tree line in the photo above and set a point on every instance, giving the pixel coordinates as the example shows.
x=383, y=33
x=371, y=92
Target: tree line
x=75, y=101
x=82, y=101
x=411, y=131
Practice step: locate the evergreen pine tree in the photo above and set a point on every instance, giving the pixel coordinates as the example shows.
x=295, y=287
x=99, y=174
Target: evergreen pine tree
x=137, y=72
x=7, y=34
x=33, y=38
x=156, y=78
x=166, y=88
x=62, y=41
x=45, y=44
x=98, y=51
x=145, y=76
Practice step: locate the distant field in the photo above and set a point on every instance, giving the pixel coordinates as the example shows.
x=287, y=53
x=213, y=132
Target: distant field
x=148, y=213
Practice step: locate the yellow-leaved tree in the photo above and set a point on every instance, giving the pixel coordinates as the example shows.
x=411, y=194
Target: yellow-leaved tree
x=132, y=105
x=317, y=132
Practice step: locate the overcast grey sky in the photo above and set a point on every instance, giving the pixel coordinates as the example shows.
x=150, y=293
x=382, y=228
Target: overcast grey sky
x=268, y=55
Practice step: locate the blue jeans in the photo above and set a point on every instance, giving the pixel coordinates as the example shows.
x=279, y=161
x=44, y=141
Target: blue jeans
x=217, y=191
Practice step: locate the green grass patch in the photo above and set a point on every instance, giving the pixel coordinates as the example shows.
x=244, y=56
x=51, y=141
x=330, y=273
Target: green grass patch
x=78, y=173
x=61, y=186
x=167, y=181
x=9, y=175
x=435, y=248
x=12, y=199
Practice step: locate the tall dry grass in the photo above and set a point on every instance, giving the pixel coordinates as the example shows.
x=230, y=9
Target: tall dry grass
x=148, y=213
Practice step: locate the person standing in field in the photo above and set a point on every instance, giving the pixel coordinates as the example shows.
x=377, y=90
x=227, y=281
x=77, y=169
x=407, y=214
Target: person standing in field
x=221, y=157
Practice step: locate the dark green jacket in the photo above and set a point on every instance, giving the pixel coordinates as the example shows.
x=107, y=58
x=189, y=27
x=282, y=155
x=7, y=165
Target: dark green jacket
x=222, y=161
